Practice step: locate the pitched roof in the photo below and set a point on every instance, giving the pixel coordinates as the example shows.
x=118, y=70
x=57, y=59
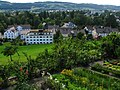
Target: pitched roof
x=70, y=31
x=106, y=30
x=27, y=26
x=69, y=25
x=101, y=29
x=24, y=32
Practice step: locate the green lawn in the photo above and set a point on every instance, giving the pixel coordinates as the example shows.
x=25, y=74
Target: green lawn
x=32, y=50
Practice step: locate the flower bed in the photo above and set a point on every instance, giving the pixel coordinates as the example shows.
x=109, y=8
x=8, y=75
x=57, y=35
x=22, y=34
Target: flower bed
x=107, y=69
x=82, y=79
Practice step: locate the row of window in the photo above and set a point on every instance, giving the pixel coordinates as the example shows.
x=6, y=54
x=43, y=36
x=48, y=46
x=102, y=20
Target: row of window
x=9, y=36
x=41, y=33
x=39, y=39
x=39, y=42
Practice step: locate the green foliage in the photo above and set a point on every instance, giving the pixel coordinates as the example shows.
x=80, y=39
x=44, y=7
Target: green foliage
x=5, y=74
x=9, y=51
x=109, y=69
x=111, y=21
x=80, y=35
x=98, y=80
x=26, y=86
x=83, y=79
x=57, y=36
x=111, y=45
x=40, y=26
x=1, y=28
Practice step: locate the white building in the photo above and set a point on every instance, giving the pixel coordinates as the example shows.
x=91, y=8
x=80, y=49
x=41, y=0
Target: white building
x=11, y=33
x=39, y=37
x=14, y=31
x=30, y=36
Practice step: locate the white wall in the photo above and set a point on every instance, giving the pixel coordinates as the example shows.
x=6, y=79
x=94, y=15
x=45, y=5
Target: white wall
x=41, y=39
x=10, y=34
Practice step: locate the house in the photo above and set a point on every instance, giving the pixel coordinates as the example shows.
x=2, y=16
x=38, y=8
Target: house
x=39, y=37
x=100, y=30
x=20, y=27
x=88, y=30
x=68, y=32
x=45, y=26
x=11, y=33
x=69, y=25
x=104, y=31
x=54, y=28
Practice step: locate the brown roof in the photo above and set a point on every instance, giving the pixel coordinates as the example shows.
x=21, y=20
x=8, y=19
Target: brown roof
x=25, y=32
x=39, y=30
x=27, y=26
x=69, y=31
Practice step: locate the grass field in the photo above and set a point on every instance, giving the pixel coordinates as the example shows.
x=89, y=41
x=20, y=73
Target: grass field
x=32, y=50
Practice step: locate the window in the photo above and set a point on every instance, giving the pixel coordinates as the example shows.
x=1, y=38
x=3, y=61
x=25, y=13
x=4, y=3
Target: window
x=50, y=36
x=40, y=36
x=43, y=39
x=47, y=36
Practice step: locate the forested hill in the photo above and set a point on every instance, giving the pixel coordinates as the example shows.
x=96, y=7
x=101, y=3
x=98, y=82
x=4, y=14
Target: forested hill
x=54, y=6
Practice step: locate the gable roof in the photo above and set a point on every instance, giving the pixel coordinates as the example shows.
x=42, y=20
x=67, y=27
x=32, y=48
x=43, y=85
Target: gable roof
x=27, y=26
x=106, y=30
x=70, y=31
x=69, y=25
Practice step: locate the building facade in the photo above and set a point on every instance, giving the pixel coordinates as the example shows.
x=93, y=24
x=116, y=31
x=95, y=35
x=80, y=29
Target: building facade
x=39, y=37
x=11, y=33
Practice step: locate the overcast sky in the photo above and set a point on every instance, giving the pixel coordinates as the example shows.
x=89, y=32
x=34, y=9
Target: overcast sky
x=106, y=2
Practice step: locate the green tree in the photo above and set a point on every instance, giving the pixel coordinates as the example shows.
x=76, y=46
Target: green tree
x=9, y=51
x=57, y=36
x=111, y=21
x=1, y=28
x=40, y=26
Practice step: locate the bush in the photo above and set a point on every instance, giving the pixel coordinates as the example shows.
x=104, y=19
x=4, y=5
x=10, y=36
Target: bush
x=26, y=86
